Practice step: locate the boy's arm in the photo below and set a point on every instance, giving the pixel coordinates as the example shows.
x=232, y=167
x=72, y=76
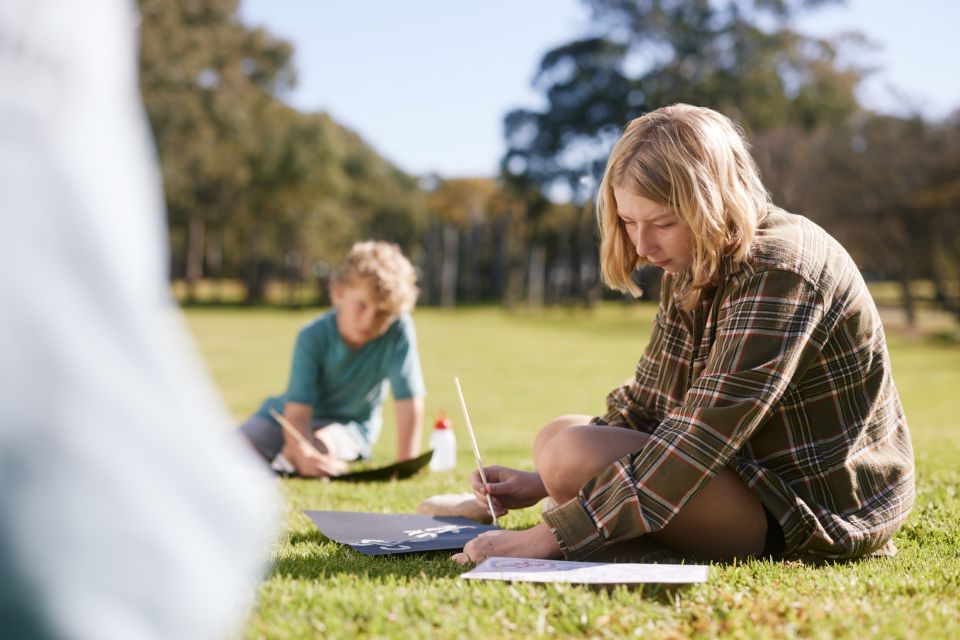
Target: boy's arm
x=409, y=427
x=305, y=459
x=299, y=415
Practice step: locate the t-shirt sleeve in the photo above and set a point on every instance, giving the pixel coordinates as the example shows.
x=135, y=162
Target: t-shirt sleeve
x=769, y=330
x=406, y=377
x=305, y=366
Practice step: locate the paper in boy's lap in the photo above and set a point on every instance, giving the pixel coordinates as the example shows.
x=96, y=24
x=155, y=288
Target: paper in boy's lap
x=537, y=570
x=375, y=534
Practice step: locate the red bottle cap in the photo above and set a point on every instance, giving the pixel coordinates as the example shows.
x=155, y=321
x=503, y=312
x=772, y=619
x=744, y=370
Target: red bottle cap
x=443, y=422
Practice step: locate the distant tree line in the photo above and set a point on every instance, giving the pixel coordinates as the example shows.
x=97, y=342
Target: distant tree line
x=257, y=190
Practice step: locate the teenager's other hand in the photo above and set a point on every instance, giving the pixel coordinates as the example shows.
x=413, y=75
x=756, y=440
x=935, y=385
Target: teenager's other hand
x=509, y=488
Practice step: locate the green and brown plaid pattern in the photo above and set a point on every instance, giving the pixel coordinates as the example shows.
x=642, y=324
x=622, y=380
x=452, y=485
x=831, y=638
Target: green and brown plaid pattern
x=781, y=373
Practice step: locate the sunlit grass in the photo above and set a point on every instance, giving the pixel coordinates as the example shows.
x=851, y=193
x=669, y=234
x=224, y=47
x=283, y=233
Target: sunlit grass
x=518, y=369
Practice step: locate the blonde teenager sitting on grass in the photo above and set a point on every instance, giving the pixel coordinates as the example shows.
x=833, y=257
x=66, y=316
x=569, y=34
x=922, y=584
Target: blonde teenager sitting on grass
x=342, y=362
x=763, y=419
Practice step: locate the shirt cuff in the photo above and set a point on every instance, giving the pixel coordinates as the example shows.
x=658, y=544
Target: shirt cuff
x=574, y=530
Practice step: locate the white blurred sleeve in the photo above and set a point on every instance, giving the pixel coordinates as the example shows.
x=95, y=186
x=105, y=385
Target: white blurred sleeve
x=128, y=511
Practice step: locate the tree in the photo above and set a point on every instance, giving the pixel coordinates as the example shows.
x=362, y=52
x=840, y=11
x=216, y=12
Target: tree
x=203, y=77
x=740, y=57
x=459, y=210
x=252, y=185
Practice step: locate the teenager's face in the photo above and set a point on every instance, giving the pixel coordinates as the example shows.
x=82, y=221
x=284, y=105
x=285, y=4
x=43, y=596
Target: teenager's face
x=360, y=319
x=657, y=235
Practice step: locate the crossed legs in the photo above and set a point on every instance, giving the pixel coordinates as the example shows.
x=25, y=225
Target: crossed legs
x=725, y=519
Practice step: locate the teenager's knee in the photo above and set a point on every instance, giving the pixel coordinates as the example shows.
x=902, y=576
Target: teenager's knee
x=554, y=427
x=561, y=463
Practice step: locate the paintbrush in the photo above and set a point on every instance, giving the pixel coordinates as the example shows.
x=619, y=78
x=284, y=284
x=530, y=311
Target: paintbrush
x=293, y=431
x=476, y=449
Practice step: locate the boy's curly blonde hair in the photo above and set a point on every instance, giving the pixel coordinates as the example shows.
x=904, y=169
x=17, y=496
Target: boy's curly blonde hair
x=382, y=267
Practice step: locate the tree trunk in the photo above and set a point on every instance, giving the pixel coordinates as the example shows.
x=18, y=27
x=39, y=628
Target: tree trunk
x=449, y=266
x=293, y=274
x=196, y=245
x=498, y=266
x=584, y=263
x=255, y=271
x=907, y=300
x=946, y=273
x=515, y=255
x=469, y=280
x=215, y=261
x=430, y=267
x=536, y=271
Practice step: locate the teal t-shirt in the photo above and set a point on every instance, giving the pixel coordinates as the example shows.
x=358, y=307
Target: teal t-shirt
x=349, y=385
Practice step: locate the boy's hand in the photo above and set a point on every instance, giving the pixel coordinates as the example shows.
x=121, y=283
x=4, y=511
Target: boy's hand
x=509, y=488
x=311, y=463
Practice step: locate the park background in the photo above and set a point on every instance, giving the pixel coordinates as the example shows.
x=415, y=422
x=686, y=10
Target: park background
x=268, y=184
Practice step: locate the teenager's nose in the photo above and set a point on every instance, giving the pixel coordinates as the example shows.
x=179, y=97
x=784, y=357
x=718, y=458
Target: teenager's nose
x=643, y=242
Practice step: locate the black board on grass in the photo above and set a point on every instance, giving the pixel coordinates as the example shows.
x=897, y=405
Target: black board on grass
x=395, y=471
x=376, y=534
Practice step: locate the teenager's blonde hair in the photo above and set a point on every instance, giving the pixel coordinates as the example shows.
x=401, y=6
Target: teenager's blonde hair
x=382, y=267
x=697, y=163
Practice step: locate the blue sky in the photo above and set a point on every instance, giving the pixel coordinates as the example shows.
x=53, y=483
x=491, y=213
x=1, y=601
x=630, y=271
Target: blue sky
x=427, y=82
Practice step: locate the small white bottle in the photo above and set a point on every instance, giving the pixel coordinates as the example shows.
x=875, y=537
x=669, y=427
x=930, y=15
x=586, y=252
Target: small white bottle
x=443, y=443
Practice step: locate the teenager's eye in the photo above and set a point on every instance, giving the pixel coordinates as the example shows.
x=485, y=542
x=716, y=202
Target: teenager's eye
x=628, y=223
x=665, y=225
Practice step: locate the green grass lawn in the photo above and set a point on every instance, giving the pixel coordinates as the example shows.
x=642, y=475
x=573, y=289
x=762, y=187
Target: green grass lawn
x=519, y=369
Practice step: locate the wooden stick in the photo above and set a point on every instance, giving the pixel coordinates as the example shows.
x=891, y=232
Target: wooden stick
x=476, y=449
x=293, y=431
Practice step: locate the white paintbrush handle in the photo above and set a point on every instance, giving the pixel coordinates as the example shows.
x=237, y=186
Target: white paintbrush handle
x=476, y=449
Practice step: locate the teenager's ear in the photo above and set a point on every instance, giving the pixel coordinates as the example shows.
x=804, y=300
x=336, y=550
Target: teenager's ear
x=336, y=294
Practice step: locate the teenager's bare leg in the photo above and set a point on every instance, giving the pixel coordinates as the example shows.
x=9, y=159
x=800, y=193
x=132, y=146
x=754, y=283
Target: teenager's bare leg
x=554, y=427
x=724, y=519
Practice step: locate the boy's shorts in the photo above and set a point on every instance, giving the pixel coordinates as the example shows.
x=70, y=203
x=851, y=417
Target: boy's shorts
x=266, y=436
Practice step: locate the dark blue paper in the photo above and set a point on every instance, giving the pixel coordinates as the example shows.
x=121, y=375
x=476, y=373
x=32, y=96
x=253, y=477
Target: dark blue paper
x=375, y=534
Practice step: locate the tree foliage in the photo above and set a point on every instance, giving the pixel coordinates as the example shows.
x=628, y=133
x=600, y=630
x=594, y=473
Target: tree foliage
x=257, y=190
x=885, y=185
x=254, y=188
x=740, y=57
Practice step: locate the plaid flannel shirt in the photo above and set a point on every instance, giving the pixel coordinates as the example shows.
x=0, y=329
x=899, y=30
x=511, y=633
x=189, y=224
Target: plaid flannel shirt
x=782, y=374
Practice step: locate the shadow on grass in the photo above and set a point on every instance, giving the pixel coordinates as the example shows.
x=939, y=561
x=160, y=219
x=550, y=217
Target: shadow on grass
x=342, y=560
x=326, y=560
x=435, y=565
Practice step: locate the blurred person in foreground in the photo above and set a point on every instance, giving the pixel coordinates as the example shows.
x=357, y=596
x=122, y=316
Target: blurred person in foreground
x=762, y=420
x=342, y=361
x=123, y=514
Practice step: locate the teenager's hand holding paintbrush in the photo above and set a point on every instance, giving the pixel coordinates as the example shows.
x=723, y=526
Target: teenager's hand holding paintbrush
x=507, y=488
x=500, y=488
x=512, y=488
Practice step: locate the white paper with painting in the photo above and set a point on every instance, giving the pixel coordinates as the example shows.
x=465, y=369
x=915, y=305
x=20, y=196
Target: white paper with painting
x=536, y=570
